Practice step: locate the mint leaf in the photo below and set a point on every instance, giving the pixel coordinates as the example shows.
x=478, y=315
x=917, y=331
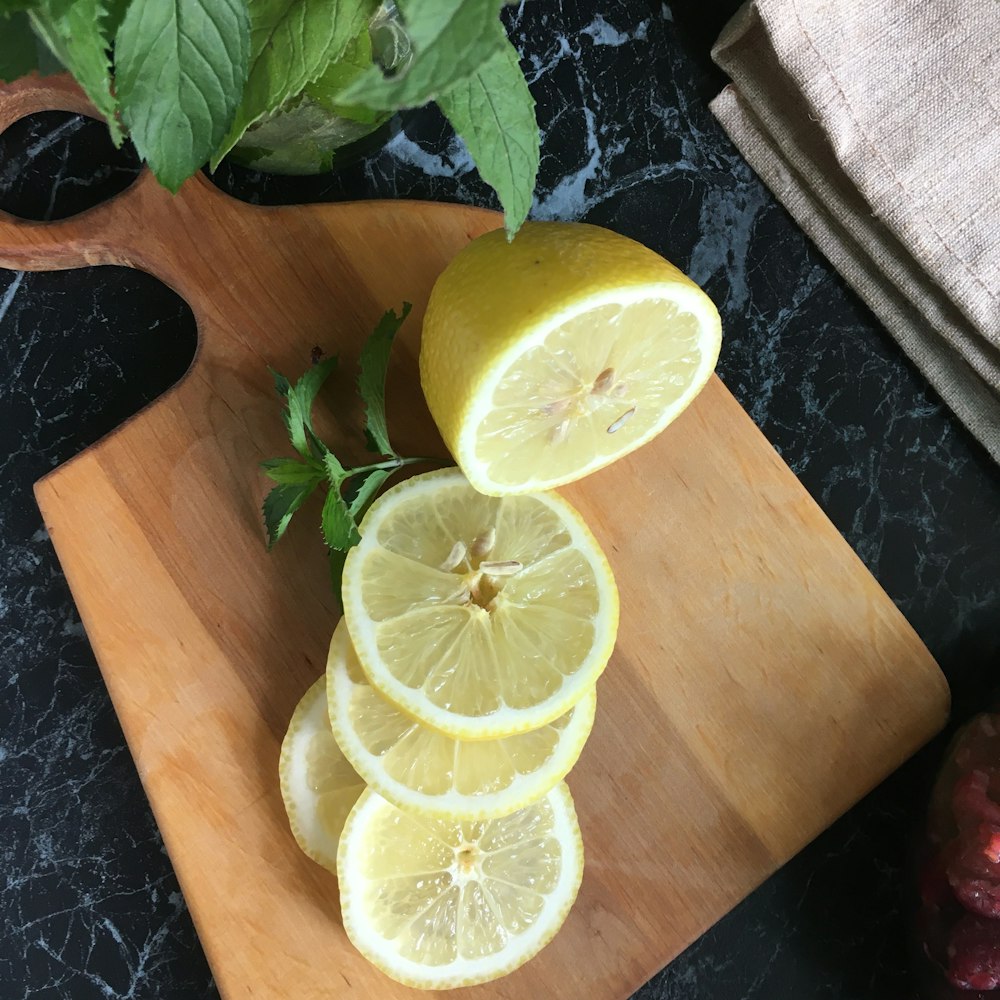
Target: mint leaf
x=335, y=472
x=181, y=65
x=281, y=384
x=494, y=113
x=339, y=529
x=18, y=48
x=299, y=402
x=319, y=450
x=291, y=472
x=114, y=14
x=312, y=380
x=450, y=39
x=74, y=32
x=370, y=485
x=374, y=362
x=291, y=43
x=279, y=506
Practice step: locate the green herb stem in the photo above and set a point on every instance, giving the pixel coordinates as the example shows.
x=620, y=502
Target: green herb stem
x=394, y=463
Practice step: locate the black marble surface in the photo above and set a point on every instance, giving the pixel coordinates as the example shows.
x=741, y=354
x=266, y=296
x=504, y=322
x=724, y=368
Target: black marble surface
x=89, y=904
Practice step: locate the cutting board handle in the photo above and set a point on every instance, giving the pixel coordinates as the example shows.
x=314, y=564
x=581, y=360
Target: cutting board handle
x=74, y=242
x=130, y=228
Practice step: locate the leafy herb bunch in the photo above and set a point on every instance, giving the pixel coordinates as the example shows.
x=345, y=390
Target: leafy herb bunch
x=185, y=79
x=350, y=490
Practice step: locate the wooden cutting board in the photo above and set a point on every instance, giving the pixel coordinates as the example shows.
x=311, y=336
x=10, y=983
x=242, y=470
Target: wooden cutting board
x=762, y=682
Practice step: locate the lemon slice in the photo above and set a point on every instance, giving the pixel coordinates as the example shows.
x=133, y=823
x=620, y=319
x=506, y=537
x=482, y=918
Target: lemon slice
x=420, y=769
x=479, y=616
x=318, y=785
x=545, y=359
x=438, y=905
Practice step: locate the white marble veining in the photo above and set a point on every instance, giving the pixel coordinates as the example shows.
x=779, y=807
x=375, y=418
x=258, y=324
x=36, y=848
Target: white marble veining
x=89, y=903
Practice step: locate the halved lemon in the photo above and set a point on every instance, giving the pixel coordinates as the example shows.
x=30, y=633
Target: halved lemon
x=479, y=616
x=318, y=785
x=549, y=357
x=436, y=904
x=422, y=770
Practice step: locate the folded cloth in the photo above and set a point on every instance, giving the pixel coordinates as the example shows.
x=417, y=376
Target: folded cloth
x=877, y=124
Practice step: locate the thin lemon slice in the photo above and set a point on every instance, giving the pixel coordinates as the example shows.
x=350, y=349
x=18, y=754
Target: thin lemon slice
x=549, y=357
x=422, y=770
x=436, y=904
x=318, y=785
x=479, y=616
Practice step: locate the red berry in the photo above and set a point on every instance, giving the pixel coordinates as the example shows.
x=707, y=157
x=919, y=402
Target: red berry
x=971, y=799
x=974, y=954
x=974, y=868
x=979, y=896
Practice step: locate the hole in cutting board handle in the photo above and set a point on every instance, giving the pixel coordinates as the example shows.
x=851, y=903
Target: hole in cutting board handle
x=87, y=348
x=72, y=148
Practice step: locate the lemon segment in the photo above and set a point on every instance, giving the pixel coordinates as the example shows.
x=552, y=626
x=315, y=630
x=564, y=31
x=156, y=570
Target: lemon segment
x=437, y=904
x=480, y=617
x=421, y=770
x=318, y=785
x=546, y=359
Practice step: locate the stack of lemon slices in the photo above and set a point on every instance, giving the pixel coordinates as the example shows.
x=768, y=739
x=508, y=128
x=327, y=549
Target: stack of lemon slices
x=426, y=768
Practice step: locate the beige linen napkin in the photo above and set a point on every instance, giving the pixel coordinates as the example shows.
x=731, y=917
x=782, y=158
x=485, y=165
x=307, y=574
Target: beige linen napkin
x=877, y=124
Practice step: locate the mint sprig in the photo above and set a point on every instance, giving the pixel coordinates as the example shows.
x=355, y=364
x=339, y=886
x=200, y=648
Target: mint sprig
x=187, y=80
x=350, y=490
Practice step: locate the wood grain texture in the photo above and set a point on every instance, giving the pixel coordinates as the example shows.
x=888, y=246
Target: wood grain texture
x=762, y=683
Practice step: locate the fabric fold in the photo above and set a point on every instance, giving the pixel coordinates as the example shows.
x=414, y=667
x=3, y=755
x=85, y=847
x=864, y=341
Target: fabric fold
x=874, y=125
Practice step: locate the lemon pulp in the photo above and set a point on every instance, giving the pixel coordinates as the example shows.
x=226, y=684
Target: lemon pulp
x=595, y=386
x=439, y=904
x=481, y=617
x=420, y=769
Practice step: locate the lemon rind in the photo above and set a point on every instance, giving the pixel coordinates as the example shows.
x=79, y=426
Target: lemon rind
x=310, y=715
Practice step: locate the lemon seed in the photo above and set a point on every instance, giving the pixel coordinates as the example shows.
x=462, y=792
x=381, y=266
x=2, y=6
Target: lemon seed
x=457, y=554
x=603, y=381
x=483, y=544
x=617, y=424
x=507, y=568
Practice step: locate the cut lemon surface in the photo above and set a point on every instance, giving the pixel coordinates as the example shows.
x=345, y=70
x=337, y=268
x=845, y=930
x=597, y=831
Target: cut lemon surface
x=479, y=616
x=318, y=785
x=437, y=905
x=549, y=357
x=419, y=769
